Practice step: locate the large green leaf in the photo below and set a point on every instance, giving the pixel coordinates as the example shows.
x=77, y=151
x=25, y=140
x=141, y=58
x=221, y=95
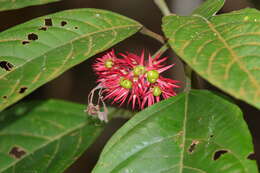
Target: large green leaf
x=35, y=52
x=193, y=132
x=45, y=136
x=209, y=8
x=224, y=50
x=14, y=4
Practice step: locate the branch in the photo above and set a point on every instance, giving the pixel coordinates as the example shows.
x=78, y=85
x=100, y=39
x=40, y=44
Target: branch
x=163, y=7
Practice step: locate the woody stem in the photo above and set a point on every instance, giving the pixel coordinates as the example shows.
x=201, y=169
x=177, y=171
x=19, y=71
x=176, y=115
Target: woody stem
x=163, y=7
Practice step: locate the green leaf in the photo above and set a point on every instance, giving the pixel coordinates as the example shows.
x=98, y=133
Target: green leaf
x=36, y=52
x=45, y=136
x=224, y=50
x=182, y=134
x=14, y=4
x=209, y=8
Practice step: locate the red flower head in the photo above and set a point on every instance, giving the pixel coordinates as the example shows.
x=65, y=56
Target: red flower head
x=134, y=78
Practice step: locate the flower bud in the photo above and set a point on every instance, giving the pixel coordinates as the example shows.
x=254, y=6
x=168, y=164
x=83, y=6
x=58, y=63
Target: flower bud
x=125, y=83
x=152, y=76
x=109, y=63
x=139, y=70
x=157, y=91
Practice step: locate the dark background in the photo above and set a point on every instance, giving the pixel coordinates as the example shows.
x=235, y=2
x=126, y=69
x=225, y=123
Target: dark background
x=75, y=84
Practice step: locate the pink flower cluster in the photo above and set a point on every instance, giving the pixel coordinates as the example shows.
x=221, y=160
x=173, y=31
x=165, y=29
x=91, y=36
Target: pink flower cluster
x=133, y=79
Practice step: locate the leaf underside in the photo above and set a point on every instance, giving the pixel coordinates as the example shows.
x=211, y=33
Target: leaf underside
x=36, y=52
x=14, y=4
x=193, y=132
x=224, y=49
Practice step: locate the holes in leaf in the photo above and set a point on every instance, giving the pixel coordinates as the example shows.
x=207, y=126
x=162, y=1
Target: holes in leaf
x=251, y=156
x=193, y=146
x=4, y=97
x=219, y=153
x=32, y=36
x=211, y=136
x=17, y=152
x=22, y=90
x=6, y=65
x=25, y=42
x=44, y=28
x=76, y=27
x=63, y=23
x=48, y=22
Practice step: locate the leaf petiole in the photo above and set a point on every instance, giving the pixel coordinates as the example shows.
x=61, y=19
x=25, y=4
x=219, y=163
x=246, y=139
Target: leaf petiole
x=146, y=31
x=164, y=48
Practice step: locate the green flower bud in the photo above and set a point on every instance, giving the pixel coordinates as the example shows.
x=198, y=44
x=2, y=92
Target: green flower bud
x=139, y=70
x=125, y=83
x=157, y=91
x=152, y=76
x=109, y=63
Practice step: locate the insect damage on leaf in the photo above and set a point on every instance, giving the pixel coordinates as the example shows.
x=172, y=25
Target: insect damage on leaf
x=193, y=146
x=25, y=42
x=17, y=152
x=22, y=90
x=33, y=37
x=63, y=23
x=251, y=156
x=48, y=22
x=219, y=153
x=6, y=65
x=44, y=28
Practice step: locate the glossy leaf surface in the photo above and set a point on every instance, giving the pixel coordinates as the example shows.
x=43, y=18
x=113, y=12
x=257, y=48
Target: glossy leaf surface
x=46, y=136
x=192, y=132
x=223, y=49
x=14, y=4
x=209, y=8
x=36, y=52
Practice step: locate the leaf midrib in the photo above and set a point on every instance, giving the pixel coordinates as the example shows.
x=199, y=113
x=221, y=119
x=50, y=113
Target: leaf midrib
x=139, y=123
x=232, y=52
x=184, y=132
x=130, y=130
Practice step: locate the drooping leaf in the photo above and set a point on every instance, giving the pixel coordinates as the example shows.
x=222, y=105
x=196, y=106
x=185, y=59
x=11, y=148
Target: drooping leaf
x=36, y=52
x=14, y=4
x=193, y=132
x=224, y=50
x=45, y=136
x=209, y=8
